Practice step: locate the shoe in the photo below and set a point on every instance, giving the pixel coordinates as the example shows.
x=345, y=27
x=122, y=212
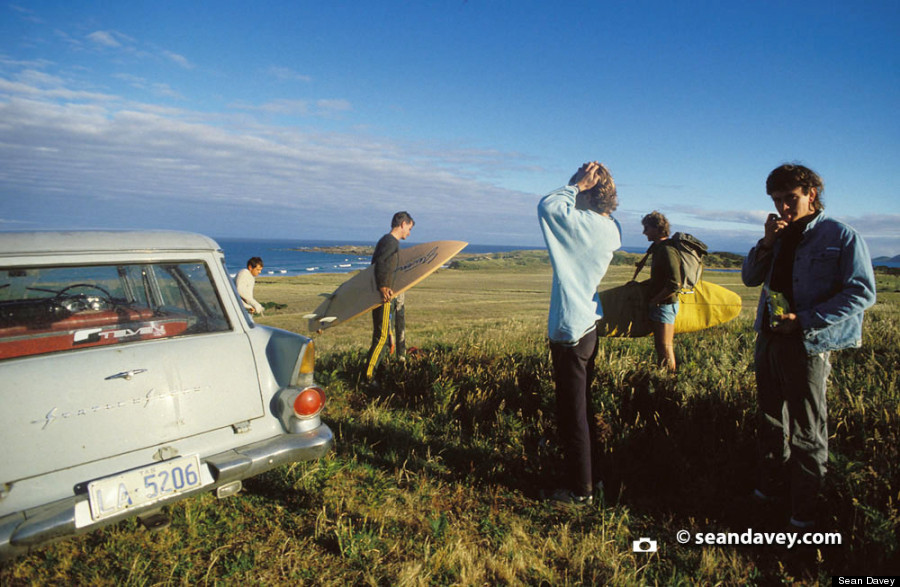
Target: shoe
x=760, y=497
x=566, y=496
x=802, y=524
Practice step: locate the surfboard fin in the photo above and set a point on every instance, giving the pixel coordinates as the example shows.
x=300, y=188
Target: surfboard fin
x=327, y=319
x=309, y=316
x=326, y=295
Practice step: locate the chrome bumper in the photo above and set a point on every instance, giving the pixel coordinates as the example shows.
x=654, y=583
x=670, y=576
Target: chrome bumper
x=23, y=531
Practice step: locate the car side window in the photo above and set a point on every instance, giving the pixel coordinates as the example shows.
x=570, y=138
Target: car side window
x=58, y=309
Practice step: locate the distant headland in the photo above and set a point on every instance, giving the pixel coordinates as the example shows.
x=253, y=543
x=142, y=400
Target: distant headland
x=357, y=250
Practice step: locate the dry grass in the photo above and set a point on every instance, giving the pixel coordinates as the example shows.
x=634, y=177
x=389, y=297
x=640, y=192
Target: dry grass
x=434, y=479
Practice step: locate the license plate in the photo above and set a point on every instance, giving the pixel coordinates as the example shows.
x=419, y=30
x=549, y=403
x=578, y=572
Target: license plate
x=139, y=487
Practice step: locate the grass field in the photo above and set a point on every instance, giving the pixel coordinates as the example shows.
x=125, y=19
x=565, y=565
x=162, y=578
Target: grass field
x=434, y=478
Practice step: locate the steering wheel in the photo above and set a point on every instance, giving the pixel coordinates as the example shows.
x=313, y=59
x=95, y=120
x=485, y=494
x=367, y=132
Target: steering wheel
x=81, y=302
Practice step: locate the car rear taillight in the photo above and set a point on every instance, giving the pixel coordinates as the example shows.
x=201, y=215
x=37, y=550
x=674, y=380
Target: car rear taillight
x=309, y=402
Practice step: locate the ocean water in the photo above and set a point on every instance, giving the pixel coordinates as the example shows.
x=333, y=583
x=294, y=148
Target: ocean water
x=281, y=259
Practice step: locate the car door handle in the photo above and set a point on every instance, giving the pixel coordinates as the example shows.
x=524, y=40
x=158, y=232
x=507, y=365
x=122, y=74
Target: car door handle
x=126, y=375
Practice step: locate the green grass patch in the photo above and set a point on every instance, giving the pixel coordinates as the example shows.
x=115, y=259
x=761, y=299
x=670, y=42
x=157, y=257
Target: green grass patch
x=435, y=477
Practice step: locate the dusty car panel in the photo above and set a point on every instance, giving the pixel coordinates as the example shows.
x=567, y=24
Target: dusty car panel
x=131, y=377
x=116, y=402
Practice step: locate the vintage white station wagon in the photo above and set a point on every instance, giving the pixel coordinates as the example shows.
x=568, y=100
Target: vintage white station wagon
x=132, y=377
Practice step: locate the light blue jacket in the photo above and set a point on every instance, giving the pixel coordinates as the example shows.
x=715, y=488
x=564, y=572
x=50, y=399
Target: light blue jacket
x=833, y=284
x=581, y=245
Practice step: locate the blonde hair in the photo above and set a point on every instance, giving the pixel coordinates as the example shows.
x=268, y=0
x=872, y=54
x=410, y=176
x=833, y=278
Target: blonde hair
x=602, y=198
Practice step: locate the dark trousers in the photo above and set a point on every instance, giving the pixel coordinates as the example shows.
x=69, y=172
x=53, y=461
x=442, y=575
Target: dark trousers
x=400, y=324
x=793, y=419
x=573, y=371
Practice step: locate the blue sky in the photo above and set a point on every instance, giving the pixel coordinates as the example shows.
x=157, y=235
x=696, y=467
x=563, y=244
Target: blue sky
x=320, y=119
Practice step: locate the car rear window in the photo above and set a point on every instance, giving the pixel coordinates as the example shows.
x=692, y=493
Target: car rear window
x=58, y=309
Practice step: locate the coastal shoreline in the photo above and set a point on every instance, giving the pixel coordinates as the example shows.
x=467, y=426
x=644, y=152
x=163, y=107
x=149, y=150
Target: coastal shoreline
x=357, y=250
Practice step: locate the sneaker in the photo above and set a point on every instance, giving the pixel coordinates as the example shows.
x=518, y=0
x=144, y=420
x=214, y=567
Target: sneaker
x=566, y=496
x=802, y=524
x=760, y=497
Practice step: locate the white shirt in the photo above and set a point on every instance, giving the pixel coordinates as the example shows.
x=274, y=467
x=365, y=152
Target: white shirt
x=245, y=282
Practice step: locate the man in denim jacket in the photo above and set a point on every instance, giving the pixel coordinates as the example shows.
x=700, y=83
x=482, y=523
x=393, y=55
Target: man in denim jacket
x=817, y=281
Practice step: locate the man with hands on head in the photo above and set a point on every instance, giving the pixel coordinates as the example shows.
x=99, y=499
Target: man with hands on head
x=817, y=281
x=581, y=236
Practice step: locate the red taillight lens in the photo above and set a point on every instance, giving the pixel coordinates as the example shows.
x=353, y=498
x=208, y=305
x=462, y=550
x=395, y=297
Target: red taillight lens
x=309, y=402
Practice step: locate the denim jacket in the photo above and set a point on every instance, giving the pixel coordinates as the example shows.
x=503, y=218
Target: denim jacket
x=833, y=284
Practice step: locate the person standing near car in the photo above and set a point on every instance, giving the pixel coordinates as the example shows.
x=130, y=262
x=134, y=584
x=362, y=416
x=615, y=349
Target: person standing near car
x=246, y=281
x=385, y=260
x=581, y=236
x=817, y=281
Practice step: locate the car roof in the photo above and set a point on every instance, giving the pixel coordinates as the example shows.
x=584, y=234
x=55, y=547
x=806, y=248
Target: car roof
x=85, y=241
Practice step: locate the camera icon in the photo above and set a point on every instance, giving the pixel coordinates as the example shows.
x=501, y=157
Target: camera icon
x=643, y=545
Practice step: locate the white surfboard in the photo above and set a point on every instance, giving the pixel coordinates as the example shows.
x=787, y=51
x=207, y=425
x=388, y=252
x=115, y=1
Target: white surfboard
x=359, y=295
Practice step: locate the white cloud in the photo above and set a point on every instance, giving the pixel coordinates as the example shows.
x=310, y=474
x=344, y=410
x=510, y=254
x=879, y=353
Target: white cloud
x=39, y=79
x=749, y=218
x=297, y=107
x=287, y=74
x=290, y=107
x=13, y=224
x=738, y=230
x=178, y=59
x=140, y=83
x=875, y=225
x=116, y=159
x=127, y=45
x=24, y=63
x=75, y=158
x=334, y=105
x=76, y=44
x=26, y=14
x=26, y=90
x=105, y=39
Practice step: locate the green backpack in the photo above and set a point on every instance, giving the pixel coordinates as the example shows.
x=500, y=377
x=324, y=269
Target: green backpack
x=690, y=254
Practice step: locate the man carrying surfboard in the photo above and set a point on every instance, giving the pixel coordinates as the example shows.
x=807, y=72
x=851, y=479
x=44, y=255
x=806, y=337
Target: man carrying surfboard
x=581, y=236
x=664, y=285
x=385, y=261
x=817, y=281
